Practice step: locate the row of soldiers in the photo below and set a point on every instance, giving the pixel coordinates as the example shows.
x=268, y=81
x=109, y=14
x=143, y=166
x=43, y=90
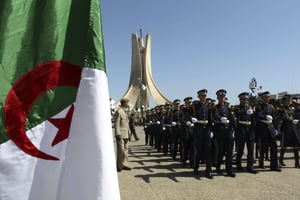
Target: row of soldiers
x=202, y=131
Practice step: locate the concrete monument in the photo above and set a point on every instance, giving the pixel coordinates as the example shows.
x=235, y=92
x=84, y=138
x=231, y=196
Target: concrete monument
x=141, y=83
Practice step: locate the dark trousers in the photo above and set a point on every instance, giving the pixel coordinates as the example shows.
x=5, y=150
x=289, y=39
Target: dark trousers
x=146, y=135
x=267, y=138
x=245, y=136
x=166, y=135
x=296, y=156
x=213, y=151
x=152, y=135
x=188, y=150
x=176, y=142
x=158, y=137
x=202, y=146
x=224, y=147
x=250, y=148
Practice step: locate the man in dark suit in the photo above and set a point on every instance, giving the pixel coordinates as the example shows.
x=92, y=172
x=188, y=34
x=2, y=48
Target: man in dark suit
x=245, y=132
x=264, y=114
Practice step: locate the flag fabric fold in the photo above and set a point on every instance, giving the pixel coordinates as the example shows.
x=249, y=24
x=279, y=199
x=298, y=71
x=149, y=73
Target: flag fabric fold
x=56, y=138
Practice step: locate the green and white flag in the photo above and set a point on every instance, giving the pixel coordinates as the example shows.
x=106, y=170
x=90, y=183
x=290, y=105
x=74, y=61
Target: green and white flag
x=55, y=126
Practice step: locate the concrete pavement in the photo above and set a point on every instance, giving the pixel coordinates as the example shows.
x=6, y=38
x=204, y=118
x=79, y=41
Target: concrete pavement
x=155, y=176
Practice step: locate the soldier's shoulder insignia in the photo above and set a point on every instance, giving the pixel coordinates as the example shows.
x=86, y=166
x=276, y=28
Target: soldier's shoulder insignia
x=212, y=106
x=236, y=107
x=273, y=108
x=258, y=106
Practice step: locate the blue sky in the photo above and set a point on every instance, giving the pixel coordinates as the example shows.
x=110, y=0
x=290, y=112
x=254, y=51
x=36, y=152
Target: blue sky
x=208, y=44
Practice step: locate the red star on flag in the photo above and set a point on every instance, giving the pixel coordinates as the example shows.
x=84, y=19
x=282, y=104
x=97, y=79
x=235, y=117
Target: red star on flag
x=63, y=125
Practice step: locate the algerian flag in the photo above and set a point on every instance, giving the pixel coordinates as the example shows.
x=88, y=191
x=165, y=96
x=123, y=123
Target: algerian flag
x=55, y=127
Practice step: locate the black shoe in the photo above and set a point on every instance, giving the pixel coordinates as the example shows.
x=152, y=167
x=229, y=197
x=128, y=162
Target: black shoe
x=240, y=168
x=119, y=169
x=231, y=174
x=251, y=170
x=297, y=166
x=282, y=163
x=218, y=170
x=196, y=171
x=261, y=166
x=126, y=168
x=209, y=176
x=275, y=169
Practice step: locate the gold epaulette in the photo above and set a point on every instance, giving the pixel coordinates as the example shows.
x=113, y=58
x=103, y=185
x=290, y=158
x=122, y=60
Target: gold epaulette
x=236, y=107
x=212, y=107
x=230, y=107
x=273, y=108
x=258, y=106
x=281, y=109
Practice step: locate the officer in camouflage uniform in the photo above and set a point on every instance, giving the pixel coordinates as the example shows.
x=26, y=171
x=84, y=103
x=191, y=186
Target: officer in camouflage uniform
x=245, y=132
x=201, y=133
x=223, y=132
x=264, y=113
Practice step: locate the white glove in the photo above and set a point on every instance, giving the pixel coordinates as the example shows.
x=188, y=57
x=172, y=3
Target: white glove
x=269, y=117
x=150, y=122
x=188, y=123
x=224, y=119
x=145, y=126
x=249, y=112
x=174, y=123
x=295, y=121
x=211, y=134
x=164, y=128
x=276, y=132
x=194, y=120
x=192, y=125
x=158, y=122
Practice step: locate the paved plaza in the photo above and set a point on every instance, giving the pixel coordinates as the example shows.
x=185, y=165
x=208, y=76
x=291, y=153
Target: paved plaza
x=155, y=176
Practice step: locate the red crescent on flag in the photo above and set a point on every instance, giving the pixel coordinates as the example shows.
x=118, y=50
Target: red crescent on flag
x=26, y=91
